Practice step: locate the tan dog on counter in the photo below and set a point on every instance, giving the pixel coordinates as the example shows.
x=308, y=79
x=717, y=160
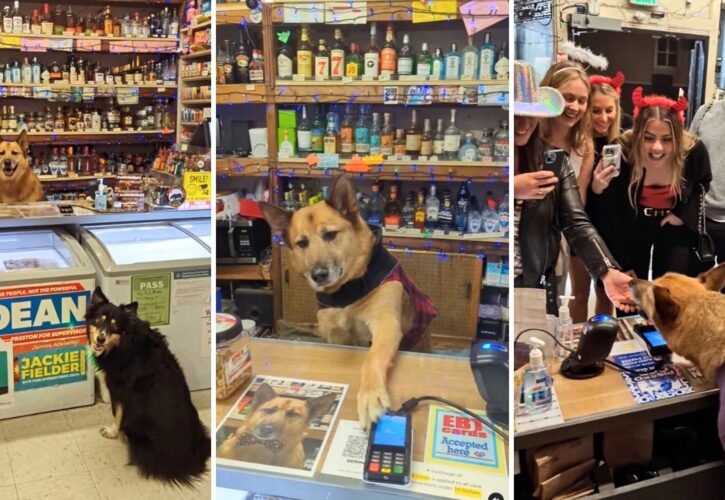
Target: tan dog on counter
x=366, y=298
x=272, y=433
x=18, y=182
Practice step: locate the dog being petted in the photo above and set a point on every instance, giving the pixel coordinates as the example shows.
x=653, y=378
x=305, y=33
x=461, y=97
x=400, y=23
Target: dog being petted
x=18, y=182
x=150, y=400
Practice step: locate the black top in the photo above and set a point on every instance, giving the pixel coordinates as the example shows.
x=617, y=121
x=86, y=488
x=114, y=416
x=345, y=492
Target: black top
x=613, y=216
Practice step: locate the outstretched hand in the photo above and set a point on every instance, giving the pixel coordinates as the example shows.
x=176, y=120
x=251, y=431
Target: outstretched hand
x=616, y=284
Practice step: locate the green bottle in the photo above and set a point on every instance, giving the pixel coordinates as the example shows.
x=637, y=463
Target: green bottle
x=425, y=61
x=354, y=63
x=318, y=132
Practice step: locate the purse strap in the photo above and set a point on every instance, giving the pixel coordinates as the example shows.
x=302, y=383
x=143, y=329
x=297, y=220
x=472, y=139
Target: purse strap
x=701, y=212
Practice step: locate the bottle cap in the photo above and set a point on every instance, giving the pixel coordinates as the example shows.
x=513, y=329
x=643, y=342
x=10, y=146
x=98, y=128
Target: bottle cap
x=536, y=357
x=564, y=309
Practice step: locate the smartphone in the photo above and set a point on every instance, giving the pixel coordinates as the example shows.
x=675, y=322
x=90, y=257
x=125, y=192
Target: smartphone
x=612, y=155
x=653, y=339
x=554, y=160
x=390, y=448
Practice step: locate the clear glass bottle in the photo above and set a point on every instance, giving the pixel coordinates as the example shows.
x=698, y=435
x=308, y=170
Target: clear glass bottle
x=372, y=56
x=452, y=138
x=439, y=66
x=386, y=135
x=439, y=141
x=501, y=142
x=362, y=135
x=304, y=134
x=453, y=63
x=485, y=145
x=470, y=61
x=468, y=151
x=408, y=212
x=375, y=135
x=475, y=220
x=412, y=137
x=285, y=66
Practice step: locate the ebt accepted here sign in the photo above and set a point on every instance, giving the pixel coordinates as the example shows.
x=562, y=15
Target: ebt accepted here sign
x=46, y=326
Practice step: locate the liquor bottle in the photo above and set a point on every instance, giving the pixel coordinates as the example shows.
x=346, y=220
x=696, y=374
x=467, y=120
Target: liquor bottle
x=287, y=203
x=17, y=18
x=227, y=66
x=26, y=24
x=46, y=24
x=439, y=140
x=285, y=67
x=17, y=73
x=58, y=20
x=426, y=140
x=331, y=140
x=462, y=207
x=304, y=54
x=425, y=62
x=452, y=138
x=453, y=63
x=337, y=57
x=372, y=56
x=173, y=26
x=256, y=67
x=439, y=66
x=408, y=216
x=12, y=120
x=354, y=63
x=388, y=56
x=26, y=71
x=386, y=136
x=474, y=217
x=502, y=64
x=412, y=137
x=470, y=61
x=362, y=135
x=70, y=21
x=487, y=59
x=317, y=134
x=419, y=213
x=406, y=58
x=7, y=20
x=468, y=151
x=322, y=61
x=304, y=134
x=35, y=70
x=393, y=212
x=375, y=135
x=485, y=145
x=241, y=62
x=108, y=23
x=347, y=131
x=286, y=149
x=374, y=209
x=432, y=207
x=501, y=143
x=4, y=120
x=445, y=213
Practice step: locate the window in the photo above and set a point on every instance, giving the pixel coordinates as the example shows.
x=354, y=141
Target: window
x=666, y=52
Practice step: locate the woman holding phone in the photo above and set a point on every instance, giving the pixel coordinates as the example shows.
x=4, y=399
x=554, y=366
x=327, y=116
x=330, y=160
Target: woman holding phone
x=547, y=202
x=652, y=207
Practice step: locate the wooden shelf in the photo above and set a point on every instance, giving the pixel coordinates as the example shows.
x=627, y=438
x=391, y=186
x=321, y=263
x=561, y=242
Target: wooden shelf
x=232, y=13
x=490, y=247
x=81, y=37
x=242, y=93
x=194, y=79
x=52, y=178
x=242, y=167
x=123, y=136
x=199, y=26
x=196, y=55
x=440, y=235
x=102, y=91
x=190, y=124
x=195, y=102
x=242, y=272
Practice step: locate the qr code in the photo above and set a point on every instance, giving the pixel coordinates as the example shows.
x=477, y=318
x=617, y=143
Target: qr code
x=355, y=447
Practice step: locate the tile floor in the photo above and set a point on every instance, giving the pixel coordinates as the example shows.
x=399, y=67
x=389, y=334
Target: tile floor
x=61, y=456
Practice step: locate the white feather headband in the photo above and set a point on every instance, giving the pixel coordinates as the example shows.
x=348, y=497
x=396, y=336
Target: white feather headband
x=584, y=56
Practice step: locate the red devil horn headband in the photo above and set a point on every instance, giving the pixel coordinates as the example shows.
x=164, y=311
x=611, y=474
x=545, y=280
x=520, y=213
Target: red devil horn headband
x=616, y=82
x=640, y=101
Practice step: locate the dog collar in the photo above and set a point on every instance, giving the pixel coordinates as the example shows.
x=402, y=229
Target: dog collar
x=247, y=439
x=380, y=266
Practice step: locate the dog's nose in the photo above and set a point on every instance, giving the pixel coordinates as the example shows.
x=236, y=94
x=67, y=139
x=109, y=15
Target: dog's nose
x=267, y=431
x=101, y=339
x=320, y=274
x=8, y=163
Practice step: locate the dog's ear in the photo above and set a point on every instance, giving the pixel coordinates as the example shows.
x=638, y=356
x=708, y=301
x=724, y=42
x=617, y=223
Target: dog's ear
x=97, y=297
x=342, y=198
x=278, y=219
x=263, y=394
x=714, y=279
x=22, y=141
x=666, y=308
x=321, y=405
x=131, y=308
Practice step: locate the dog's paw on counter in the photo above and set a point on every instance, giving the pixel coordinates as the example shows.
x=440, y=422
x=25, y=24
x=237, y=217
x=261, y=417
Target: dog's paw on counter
x=371, y=403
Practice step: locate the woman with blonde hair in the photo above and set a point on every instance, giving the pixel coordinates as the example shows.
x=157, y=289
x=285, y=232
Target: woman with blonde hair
x=649, y=213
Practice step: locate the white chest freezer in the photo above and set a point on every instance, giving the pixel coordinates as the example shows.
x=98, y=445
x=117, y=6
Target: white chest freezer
x=201, y=228
x=168, y=272
x=46, y=280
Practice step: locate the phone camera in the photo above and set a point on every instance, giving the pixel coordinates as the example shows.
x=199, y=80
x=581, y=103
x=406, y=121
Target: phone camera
x=550, y=157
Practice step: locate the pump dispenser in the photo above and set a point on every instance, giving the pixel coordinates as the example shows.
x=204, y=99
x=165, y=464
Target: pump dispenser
x=101, y=202
x=537, y=381
x=564, y=327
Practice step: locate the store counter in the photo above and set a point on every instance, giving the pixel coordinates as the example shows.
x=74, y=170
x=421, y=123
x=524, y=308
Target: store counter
x=412, y=375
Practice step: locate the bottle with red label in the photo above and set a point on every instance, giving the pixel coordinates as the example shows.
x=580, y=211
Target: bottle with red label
x=337, y=57
x=393, y=213
x=322, y=61
x=256, y=67
x=389, y=54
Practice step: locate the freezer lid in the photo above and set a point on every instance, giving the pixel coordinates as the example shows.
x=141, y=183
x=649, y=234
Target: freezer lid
x=138, y=244
x=41, y=254
x=201, y=228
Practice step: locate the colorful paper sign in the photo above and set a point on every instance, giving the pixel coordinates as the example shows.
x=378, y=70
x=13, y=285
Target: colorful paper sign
x=346, y=12
x=435, y=10
x=153, y=294
x=197, y=186
x=478, y=15
x=328, y=161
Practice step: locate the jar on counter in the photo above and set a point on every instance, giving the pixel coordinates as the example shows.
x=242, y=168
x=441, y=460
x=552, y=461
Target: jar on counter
x=233, y=356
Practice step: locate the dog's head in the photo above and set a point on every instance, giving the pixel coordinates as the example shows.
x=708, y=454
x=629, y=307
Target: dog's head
x=13, y=156
x=329, y=241
x=662, y=299
x=107, y=322
x=283, y=418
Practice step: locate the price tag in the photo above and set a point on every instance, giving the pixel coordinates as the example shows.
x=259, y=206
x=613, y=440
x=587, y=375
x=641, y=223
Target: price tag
x=347, y=79
x=390, y=95
x=251, y=87
x=328, y=161
x=298, y=78
x=368, y=78
x=65, y=209
x=160, y=89
x=384, y=77
x=407, y=158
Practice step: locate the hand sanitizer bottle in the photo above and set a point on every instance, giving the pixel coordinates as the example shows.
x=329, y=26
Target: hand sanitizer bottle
x=564, y=327
x=537, y=381
x=101, y=202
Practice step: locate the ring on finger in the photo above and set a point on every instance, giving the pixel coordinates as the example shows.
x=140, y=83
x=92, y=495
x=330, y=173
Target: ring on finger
x=541, y=192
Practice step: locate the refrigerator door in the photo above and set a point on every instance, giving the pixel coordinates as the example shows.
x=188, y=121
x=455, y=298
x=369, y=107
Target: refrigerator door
x=201, y=228
x=144, y=246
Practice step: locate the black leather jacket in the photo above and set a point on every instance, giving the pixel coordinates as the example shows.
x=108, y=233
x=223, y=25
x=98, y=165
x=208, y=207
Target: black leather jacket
x=541, y=225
